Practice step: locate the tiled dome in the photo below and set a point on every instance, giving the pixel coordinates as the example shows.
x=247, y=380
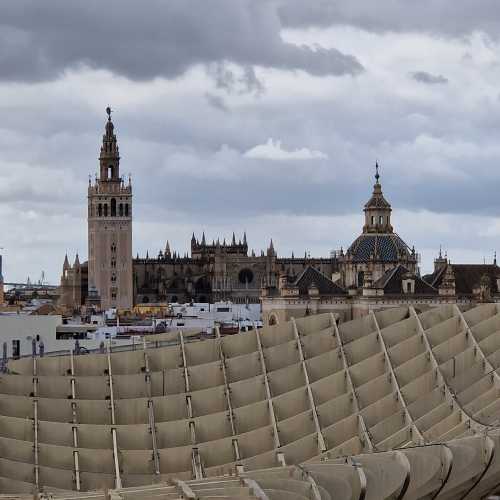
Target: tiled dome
x=384, y=247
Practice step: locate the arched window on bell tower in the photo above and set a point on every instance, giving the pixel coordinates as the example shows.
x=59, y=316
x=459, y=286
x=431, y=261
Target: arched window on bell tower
x=113, y=207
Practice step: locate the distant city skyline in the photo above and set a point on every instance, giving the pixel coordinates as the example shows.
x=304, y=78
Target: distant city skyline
x=267, y=119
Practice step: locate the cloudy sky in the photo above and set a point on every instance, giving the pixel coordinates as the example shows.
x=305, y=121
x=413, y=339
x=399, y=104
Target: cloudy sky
x=265, y=116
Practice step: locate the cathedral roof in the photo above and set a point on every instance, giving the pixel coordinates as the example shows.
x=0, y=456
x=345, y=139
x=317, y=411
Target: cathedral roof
x=392, y=282
x=384, y=247
x=467, y=277
x=311, y=276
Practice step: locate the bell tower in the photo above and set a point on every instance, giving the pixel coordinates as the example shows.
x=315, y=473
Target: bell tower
x=110, y=228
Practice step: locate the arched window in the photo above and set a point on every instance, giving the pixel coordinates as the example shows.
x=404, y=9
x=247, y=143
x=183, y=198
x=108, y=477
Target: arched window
x=373, y=220
x=113, y=207
x=111, y=171
x=126, y=209
x=99, y=210
x=113, y=247
x=105, y=210
x=381, y=219
x=121, y=209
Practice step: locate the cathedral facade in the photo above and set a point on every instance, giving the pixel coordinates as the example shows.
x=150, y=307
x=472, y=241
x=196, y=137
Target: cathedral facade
x=214, y=271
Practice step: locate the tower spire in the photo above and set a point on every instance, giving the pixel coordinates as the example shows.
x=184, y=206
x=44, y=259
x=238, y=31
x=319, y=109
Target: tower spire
x=377, y=209
x=109, y=158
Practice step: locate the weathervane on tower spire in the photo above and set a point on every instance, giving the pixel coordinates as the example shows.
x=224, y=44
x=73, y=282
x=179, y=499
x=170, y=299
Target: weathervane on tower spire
x=377, y=175
x=108, y=111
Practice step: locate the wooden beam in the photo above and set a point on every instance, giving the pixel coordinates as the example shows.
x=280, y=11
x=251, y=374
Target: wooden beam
x=312, y=404
x=366, y=437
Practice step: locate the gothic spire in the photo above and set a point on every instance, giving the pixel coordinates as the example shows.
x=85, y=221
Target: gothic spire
x=233, y=242
x=203, y=242
x=245, y=238
x=270, y=250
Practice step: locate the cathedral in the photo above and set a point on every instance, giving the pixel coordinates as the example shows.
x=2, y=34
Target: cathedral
x=377, y=270
x=213, y=271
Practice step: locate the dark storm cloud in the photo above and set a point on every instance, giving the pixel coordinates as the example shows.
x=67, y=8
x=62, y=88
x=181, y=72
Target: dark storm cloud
x=449, y=17
x=428, y=78
x=143, y=40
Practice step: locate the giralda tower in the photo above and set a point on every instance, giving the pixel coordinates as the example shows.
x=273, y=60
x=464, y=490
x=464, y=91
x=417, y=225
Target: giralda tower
x=110, y=228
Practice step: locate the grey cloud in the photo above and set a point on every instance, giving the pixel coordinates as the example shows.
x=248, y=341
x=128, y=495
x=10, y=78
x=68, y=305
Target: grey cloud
x=171, y=139
x=447, y=17
x=428, y=78
x=246, y=82
x=251, y=82
x=216, y=101
x=143, y=40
